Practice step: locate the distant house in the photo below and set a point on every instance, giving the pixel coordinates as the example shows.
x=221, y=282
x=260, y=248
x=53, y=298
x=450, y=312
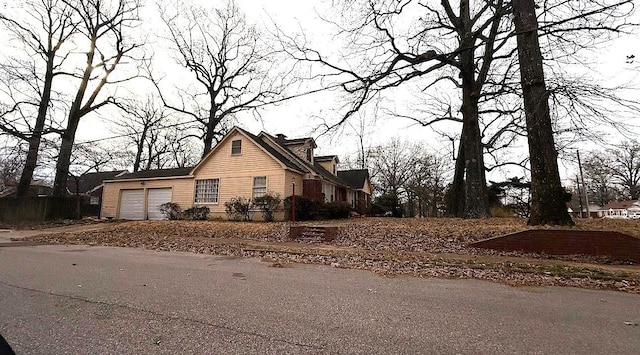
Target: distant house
x=621, y=209
x=595, y=211
x=241, y=165
x=37, y=188
x=360, y=184
x=90, y=186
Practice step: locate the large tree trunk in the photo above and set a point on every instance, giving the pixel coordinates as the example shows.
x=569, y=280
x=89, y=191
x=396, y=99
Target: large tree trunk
x=476, y=199
x=64, y=157
x=548, y=204
x=36, y=135
x=456, y=196
x=476, y=203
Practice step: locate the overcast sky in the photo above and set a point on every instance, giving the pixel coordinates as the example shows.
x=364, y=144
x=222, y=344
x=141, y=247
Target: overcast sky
x=294, y=117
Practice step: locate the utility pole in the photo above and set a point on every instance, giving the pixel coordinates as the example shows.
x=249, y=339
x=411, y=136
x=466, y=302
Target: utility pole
x=584, y=187
x=579, y=196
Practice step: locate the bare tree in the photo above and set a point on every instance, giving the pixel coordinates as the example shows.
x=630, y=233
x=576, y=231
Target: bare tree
x=427, y=184
x=228, y=62
x=11, y=164
x=158, y=140
x=625, y=168
x=29, y=82
x=142, y=127
x=395, y=42
x=106, y=33
x=599, y=178
x=446, y=45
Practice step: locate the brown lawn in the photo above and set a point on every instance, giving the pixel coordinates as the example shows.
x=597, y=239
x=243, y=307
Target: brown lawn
x=416, y=247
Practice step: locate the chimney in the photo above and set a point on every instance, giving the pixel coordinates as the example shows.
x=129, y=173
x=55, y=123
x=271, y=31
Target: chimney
x=281, y=137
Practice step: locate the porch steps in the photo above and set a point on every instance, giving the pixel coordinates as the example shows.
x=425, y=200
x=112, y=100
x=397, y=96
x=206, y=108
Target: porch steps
x=315, y=233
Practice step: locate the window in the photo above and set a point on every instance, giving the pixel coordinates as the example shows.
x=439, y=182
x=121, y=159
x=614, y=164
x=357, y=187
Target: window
x=309, y=154
x=259, y=186
x=236, y=147
x=207, y=191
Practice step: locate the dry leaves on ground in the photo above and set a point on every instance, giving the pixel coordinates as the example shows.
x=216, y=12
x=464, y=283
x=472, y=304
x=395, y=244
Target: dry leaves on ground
x=417, y=247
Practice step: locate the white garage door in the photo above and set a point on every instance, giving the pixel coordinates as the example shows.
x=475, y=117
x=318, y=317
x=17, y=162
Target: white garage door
x=132, y=204
x=157, y=197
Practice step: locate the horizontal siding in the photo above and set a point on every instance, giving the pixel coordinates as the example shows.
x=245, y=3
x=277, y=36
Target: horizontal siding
x=236, y=172
x=182, y=193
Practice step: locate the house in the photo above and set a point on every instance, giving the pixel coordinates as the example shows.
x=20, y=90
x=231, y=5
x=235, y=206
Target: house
x=595, y=211
x=360, y=188
x=90, y=186
x=36, y=188
x=242, y=164
x=621, y=209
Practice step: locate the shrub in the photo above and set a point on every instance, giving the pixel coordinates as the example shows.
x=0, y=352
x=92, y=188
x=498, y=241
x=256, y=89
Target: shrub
x=171, y=210
x=338, y=210
x=197, y=213
x=239, y=209
x=268, y=204
x=308, y=209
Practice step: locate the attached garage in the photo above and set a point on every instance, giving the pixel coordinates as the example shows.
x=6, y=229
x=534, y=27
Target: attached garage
x=131, y=204
x=138, y=196
x=155, y=198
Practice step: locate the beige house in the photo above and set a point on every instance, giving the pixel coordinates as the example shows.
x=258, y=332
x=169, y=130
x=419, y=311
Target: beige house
x=242, y=164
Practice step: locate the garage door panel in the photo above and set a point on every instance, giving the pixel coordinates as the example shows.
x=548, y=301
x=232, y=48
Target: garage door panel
x=155, y=198
x=132, y=204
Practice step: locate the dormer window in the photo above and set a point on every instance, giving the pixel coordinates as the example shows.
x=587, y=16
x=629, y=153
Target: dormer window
x=309, y=154
x=236, y=147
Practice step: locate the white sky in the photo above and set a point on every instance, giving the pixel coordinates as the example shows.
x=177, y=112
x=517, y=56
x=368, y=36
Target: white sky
x=293, y=118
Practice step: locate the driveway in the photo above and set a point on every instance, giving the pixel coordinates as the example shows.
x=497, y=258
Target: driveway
x=99, y=300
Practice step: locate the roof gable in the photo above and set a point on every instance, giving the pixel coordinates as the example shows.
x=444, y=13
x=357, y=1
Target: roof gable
x=356, y=179
x=257, y=141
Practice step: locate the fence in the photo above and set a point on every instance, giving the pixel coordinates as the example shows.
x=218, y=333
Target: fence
x=45, y=208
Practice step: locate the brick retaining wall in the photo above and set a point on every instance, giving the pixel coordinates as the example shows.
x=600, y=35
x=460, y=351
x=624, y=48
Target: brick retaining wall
x=617, y=246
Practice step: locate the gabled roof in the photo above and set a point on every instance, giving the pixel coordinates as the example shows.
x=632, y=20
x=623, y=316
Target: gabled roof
x=354, y=178
x=89, y=181
x=146, y=174
x=289, y=163
x=304, y=165
x=618, y=205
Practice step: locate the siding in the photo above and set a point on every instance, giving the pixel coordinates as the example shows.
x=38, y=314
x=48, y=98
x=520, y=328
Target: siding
x=182, y=192
x=236, y=173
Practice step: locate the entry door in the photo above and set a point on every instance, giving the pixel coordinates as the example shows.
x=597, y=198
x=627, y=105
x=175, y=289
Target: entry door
x=132, y=204
x=156, y=198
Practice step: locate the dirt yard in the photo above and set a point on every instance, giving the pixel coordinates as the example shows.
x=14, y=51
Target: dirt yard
x=391, y=247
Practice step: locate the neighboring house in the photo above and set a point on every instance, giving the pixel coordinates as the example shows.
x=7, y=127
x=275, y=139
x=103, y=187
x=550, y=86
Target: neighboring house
x=360, y=194
x=621, y=209
x=91, y=185
x=37, y=188
x=242, y=164
x=595, y=211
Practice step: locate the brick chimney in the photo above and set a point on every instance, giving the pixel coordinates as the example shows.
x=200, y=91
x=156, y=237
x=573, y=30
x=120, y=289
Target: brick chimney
x=281, y=137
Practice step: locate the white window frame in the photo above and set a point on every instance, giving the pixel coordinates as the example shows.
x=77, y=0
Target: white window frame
x=259, y=190
x=206, y=191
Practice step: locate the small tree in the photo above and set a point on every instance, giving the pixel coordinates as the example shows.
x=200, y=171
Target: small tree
x=268, y=204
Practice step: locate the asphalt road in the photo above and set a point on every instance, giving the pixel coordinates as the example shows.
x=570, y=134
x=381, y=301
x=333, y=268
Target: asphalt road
x=99, y=300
